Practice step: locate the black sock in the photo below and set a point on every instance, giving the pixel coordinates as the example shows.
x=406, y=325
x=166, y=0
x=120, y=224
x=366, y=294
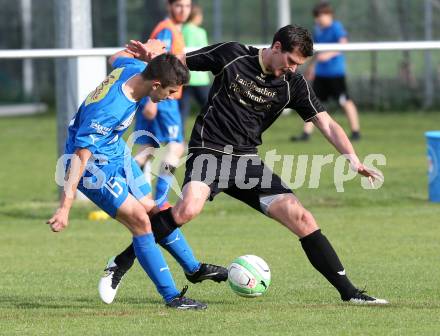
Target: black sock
x=324, y=258
x=162, y=224
x=126, y=259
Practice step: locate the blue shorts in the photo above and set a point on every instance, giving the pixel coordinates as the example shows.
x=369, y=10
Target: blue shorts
x=109, y=185
x=166, y=127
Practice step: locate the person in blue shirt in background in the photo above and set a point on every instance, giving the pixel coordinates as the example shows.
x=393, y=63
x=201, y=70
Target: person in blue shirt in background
x=328, y=70
x=98, y=162
x=164, y=119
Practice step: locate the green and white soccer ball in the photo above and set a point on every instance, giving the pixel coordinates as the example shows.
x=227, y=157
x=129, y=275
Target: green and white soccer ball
x=249, y=276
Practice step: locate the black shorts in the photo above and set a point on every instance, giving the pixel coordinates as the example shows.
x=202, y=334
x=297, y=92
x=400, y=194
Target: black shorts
x=331, y=87
x=245, y=178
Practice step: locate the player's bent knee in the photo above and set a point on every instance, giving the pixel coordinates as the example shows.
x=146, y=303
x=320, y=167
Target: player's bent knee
x=290, y=212
x=149, y=204
x=294, y=209
x=297, y=215
x=139, y=223
x=185, y=213
x=308, y=223
x=188, y=214
x=302, y=223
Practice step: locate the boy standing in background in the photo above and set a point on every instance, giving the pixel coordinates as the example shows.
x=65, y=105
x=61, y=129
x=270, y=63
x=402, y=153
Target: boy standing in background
x=328, y=69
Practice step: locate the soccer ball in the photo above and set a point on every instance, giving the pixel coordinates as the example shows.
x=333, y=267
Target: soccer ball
x=249, y=276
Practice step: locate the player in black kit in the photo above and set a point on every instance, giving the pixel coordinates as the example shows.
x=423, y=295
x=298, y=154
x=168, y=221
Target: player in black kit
x=250, y=90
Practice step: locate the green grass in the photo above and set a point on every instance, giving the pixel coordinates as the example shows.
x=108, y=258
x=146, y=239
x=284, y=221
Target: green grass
x=387, y=239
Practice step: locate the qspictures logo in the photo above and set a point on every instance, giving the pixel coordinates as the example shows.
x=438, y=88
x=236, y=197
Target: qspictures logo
x=296, y=171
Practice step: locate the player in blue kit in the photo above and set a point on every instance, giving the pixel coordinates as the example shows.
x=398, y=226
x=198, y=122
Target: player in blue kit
x=100, y=165
x=164, y=119
x=328, y=70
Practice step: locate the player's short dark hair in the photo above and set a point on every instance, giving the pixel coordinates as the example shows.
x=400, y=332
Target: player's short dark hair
x=293, y=36
x=322, y=8
x=167, y=69
x=170, y=2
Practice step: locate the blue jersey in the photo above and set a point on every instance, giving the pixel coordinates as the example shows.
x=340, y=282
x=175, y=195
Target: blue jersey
x=105, y=115
x=166, y=36
x=334, y=67
x=167, y=125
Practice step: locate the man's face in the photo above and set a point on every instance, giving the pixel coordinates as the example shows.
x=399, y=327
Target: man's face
x=180, y=10
x=284, y=62
x=159, y=93
x=324, y=20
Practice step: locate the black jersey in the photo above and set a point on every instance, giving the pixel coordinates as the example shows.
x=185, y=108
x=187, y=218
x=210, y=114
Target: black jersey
x=244, y=99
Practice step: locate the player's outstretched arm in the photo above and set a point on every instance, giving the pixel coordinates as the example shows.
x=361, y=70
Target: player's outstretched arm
x=60, y=219
x=338, y=138
x=143, y=51
x=153, y=48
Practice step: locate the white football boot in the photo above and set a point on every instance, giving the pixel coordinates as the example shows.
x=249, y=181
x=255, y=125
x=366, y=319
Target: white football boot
x=110, y=281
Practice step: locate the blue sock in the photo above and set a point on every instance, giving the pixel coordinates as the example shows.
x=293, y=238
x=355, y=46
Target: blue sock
x=163, y=185
x=176, y=244
x=152, y=261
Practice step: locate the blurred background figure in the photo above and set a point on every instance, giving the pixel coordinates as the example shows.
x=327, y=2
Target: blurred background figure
x=327, y=70
x=163, y=120
x=195, y=37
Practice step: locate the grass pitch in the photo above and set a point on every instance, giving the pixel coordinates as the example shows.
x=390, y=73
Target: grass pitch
x=387, y=239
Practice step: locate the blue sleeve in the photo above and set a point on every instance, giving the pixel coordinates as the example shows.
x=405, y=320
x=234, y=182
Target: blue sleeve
x=95, y=129
x=166, y=36
x=128, y=62
x=340, y=31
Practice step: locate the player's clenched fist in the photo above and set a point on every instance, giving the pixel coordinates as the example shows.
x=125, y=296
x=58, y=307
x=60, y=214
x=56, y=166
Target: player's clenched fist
x=59, y=220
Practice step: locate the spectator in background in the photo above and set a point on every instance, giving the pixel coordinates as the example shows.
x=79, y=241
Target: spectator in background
x=199, y=84
x=327, y=70
x=163, y=120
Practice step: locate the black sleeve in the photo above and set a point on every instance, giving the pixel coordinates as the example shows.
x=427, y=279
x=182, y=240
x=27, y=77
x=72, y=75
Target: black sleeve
x=214, y=57
x=303, y=100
